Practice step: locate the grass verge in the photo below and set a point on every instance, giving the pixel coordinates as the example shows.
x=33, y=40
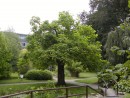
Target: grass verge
x=127, y=95
x=87, y=75
x=91, y=80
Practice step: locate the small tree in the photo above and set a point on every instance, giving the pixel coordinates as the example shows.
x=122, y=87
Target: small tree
x=75, y=68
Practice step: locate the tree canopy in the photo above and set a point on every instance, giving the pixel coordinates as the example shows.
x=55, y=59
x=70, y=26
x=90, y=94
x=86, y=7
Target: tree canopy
x=105, y=15
x=5, y=57
x=62, y=41
x=13, y=46
x=118, y=42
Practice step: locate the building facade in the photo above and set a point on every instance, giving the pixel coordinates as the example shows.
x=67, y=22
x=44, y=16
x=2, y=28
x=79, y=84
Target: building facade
x=23, y=40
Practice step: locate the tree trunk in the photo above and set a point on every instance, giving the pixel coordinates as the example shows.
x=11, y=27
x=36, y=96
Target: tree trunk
x=61, y=76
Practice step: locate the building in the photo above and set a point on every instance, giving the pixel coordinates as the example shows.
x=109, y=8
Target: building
x=23, y=40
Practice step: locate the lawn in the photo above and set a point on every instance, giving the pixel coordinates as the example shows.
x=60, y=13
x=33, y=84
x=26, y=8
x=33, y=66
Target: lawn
x=9, y=89
x=88, y=77
x=127, y=95
x=83, y=75
x=10, y=81
x=90, y=80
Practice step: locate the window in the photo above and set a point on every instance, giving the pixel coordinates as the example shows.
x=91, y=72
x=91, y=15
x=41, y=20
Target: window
x=23, y=44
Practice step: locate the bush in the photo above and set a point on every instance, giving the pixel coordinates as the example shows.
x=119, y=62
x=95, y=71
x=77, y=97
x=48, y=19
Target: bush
x=38, y=75
x=123, y=86
x=74, y=68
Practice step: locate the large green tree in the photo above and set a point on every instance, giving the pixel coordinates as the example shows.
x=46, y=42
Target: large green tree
x=61, y=41
x=5, y=57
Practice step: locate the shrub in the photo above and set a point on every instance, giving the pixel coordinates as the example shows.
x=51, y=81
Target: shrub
x=38, y=75
x=74, y=68
x=123, y=86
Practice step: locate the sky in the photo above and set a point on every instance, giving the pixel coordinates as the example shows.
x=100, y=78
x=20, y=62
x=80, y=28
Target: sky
x=16, y=14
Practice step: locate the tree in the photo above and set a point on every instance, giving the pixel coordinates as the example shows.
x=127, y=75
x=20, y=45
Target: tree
x=5, y=57
x=61, y=41
x=117, y=43
x=23, y=62
x=14, y=47
x=105, y=15
x=74, y=68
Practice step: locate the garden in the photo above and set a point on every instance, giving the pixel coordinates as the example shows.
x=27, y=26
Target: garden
x=66, y=52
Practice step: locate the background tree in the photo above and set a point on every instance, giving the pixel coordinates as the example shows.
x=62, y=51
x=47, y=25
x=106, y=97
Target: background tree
x=117, y=43
x=23, y=62
x=62, y=41
x=14, y=47
x=105, y=15
x=5, y=56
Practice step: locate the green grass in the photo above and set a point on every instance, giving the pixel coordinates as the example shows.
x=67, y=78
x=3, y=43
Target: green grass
x=83, y=75
x=87, y=75
x=9, y=89
x=91, y=80
x=9, y=81
x=127, y=95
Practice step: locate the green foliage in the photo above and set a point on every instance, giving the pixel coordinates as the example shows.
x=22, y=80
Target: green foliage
x=64, y=40
x=118, y=43
x=110, y=76
x=105, y=15
x=10, y=89
x=35, y=21
x=123, y=86
x=74, y=68
x=106, y=78
x=128, y=3
x=38, y=75
x=56, y=41
x=5, y=57
x=13, y=44
x=127, y=65
x=23, y=62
